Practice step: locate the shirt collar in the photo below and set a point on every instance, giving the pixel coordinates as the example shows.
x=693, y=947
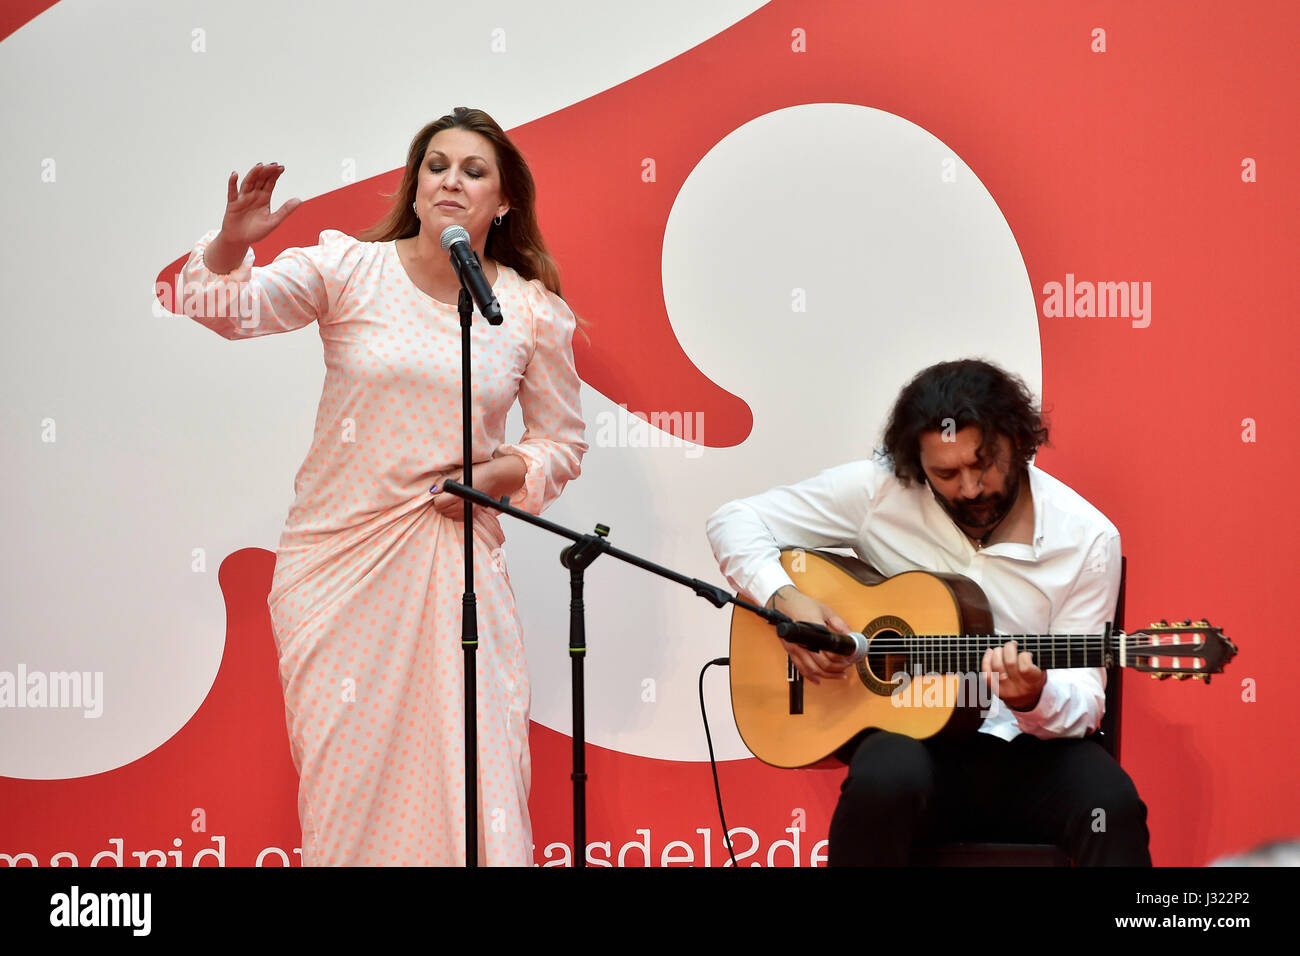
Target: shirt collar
x=1040, y=506
x=1034, y=550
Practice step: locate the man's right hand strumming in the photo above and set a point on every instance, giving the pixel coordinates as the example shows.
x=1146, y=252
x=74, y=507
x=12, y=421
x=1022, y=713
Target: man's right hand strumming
x=248, y=217
x=798, y=606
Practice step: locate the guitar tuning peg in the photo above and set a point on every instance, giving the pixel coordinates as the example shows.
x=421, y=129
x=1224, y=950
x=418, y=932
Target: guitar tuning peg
x=1187, y=623
x=1182, y=676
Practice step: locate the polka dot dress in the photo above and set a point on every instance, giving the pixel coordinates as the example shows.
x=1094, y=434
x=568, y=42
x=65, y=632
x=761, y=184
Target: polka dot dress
x=366, y=598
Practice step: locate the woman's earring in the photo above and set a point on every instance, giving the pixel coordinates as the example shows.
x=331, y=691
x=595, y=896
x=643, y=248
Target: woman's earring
x=497, y=220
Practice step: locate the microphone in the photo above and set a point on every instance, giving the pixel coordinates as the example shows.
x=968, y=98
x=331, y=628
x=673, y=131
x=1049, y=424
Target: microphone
x=815, y=637
x=455, y=240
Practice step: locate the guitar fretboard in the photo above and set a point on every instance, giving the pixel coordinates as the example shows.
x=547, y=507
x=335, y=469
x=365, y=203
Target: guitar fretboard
x=963, y=653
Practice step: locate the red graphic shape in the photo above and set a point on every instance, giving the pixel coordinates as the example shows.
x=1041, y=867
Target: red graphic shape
x=232, y=760
x=16, y=14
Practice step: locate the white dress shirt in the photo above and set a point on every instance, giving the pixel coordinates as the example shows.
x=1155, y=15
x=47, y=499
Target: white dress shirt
x=1066, y=582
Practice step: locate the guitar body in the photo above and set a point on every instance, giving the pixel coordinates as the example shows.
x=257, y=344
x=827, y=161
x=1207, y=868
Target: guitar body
x=787, y=721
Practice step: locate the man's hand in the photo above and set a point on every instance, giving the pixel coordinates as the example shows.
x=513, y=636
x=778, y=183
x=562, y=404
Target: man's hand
x=798, y=606
x=1019, y=682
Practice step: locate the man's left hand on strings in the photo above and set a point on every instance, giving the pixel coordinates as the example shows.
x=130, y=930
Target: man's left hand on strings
x=1013, y=676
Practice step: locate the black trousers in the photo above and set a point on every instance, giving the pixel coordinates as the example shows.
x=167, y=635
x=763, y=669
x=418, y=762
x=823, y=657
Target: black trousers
x=901, y=792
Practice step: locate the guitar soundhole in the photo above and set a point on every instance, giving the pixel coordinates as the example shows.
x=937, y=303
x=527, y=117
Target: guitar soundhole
x=886, y=654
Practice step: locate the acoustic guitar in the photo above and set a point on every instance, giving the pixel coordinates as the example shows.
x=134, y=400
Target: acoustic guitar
x=927, y=635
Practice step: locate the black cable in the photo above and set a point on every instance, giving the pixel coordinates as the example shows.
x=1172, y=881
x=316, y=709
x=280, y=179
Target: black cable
x=713, y=762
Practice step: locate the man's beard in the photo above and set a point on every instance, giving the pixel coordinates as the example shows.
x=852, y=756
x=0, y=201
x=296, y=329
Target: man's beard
x=984, y=513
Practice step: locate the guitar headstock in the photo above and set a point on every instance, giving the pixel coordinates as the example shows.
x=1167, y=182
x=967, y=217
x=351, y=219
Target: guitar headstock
x=1190, y=649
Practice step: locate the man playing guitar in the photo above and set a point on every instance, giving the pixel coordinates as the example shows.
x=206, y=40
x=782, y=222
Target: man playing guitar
x=955, y=491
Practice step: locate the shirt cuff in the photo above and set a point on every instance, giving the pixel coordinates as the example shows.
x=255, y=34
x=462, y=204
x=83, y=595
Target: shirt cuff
x=199, y=263
x=1048, y=706
x=767, y=582
x=531, y=495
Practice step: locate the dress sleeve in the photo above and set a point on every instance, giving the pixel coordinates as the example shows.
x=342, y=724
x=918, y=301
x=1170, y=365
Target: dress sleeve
x=294, y=290
x=552, y=445
x=1074, y=699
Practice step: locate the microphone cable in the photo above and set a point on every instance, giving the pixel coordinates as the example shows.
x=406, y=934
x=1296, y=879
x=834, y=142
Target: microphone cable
x=713, y=762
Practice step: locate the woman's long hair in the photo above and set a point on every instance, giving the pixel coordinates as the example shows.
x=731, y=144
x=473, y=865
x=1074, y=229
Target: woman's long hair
x=517, y=242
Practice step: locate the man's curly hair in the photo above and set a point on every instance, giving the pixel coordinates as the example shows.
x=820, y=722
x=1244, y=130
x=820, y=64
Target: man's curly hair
x=954, y=395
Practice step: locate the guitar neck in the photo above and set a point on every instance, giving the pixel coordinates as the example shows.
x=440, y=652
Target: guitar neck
x=1190, y=649
x=960, y=654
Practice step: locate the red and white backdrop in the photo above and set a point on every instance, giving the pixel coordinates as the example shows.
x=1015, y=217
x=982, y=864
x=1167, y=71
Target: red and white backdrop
x=770, y=215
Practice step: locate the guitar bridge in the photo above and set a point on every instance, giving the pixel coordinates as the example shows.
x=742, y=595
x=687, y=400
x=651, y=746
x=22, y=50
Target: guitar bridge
x=794, y=680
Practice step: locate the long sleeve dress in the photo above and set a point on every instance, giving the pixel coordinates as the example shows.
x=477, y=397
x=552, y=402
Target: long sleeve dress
x=366, y=596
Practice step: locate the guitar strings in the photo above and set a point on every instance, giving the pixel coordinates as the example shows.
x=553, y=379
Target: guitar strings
x=997, y=640
x=956, y=652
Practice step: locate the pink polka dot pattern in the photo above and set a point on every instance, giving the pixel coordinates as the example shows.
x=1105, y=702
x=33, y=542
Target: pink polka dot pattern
x=366, y=599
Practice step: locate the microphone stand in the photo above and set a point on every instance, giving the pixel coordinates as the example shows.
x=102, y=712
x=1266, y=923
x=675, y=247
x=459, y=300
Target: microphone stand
x=469, y=600
x=577, y=558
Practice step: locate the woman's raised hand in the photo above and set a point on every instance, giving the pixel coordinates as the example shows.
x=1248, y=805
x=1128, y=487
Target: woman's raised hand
x=248, y=217
x=248, y=206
